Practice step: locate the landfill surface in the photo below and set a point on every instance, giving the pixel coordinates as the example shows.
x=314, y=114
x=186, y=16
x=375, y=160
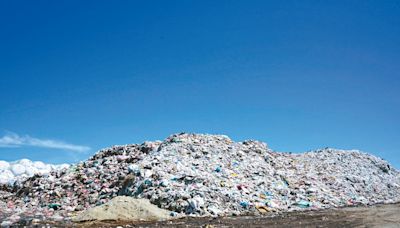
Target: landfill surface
x=205, y=175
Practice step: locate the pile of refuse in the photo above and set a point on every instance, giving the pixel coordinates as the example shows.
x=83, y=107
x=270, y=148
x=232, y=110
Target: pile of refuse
x=207, y=175
x=20, y=170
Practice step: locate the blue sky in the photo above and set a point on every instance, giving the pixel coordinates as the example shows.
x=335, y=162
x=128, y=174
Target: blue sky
x=79, y=76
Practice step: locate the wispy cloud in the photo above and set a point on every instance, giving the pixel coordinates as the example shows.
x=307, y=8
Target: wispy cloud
x=15, y=140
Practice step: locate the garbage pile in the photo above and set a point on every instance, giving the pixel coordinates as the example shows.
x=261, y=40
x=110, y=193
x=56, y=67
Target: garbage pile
x=207, y=175
x=24, y=168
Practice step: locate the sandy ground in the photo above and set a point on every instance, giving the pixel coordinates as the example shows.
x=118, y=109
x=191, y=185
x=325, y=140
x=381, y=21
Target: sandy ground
x=374, y=216
x=124, y=208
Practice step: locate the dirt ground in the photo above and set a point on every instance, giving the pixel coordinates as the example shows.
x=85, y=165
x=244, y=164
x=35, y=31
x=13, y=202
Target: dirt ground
x=373, y=216
x=124, y=208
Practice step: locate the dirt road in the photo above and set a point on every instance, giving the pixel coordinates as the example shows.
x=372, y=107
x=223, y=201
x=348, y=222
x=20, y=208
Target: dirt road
x=374, y=216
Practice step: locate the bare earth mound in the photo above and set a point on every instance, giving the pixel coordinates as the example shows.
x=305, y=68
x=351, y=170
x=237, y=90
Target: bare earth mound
x=123, y=208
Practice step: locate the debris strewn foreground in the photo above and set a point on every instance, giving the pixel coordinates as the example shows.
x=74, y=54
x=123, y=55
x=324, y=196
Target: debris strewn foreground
x=206, y=175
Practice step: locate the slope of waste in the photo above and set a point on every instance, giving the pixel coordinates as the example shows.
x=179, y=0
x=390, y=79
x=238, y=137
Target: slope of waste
x=20, y=170
x=206, y=175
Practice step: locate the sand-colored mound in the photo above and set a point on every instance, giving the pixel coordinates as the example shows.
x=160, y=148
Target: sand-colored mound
x=123, y=208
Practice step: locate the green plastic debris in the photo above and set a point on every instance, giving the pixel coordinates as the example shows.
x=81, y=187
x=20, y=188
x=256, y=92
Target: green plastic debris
x=54, y=206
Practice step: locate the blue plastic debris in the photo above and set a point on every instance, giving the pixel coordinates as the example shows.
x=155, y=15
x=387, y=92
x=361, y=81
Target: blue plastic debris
x=303, y=204
x=244, y=204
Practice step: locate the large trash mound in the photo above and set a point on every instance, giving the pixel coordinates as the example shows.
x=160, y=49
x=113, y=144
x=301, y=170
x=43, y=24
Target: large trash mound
x=210, y=175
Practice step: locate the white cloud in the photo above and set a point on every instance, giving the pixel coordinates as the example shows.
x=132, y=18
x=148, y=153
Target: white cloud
x=14, y=140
